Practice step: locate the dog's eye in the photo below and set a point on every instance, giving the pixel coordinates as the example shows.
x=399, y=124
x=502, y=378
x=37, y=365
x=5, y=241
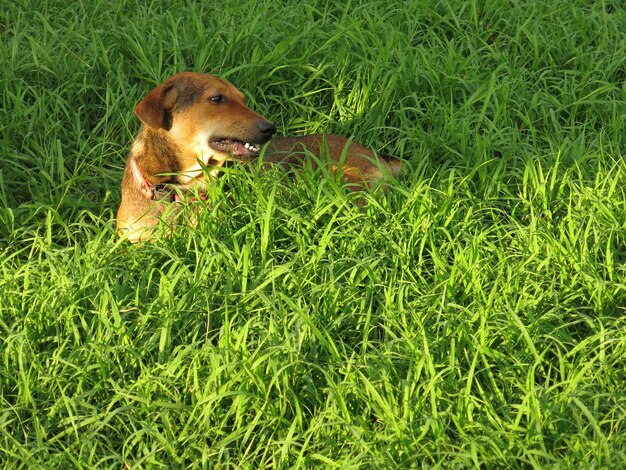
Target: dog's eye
x=218, y=99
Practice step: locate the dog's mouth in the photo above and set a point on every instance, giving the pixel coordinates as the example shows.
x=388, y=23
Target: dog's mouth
x=236, y=148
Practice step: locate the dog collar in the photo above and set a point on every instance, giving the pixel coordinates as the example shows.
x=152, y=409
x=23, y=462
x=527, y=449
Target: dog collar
x=151, y=191
x=144, y=185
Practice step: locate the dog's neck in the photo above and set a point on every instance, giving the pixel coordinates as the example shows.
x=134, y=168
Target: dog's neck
x=148, y=171
x=156, y=168
x=157, y=155
x=161, y=178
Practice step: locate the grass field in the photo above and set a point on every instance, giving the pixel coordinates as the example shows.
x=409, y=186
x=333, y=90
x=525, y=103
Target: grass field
x=475, y=316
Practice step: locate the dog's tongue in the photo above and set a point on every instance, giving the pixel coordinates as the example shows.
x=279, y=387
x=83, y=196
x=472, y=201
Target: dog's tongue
x=237, y=148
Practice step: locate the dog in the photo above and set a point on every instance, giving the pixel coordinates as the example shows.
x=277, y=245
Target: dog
x=192, y=124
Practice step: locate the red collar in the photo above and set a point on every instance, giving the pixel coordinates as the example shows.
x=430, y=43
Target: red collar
x=145, y=186
x=151, y=191
x=160, y=191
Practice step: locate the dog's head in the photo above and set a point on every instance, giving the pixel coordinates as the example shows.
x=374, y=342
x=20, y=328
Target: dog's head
x=206, y=118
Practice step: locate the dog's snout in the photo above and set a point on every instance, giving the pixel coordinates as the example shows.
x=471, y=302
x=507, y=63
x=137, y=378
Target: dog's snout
x=266, y=127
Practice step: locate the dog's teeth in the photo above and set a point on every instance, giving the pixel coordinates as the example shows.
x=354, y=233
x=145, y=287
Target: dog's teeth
x=251, y=147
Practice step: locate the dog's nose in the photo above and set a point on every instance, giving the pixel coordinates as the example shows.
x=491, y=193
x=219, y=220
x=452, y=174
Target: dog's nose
x=266, y=127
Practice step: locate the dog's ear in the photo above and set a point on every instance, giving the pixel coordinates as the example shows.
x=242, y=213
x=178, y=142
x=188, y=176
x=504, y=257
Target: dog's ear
x=155, y=109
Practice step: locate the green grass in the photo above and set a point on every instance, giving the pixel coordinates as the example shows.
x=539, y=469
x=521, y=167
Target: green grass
x=475, y=316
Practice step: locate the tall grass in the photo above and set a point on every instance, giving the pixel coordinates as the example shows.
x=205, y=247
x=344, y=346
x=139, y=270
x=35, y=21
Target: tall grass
x=473, y=316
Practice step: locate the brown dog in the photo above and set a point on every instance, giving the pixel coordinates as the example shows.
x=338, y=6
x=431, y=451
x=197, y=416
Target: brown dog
x=194, y=121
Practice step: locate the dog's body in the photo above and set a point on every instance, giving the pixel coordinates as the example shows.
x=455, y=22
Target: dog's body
x=196, y=121
x=359, y=166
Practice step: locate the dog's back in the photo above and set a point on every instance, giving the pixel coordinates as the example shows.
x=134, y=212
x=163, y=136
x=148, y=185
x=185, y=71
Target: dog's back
x=358, y=165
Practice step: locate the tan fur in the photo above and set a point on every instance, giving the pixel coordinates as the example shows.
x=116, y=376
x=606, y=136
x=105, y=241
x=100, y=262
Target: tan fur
x=359, y=166
x=192, y=121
